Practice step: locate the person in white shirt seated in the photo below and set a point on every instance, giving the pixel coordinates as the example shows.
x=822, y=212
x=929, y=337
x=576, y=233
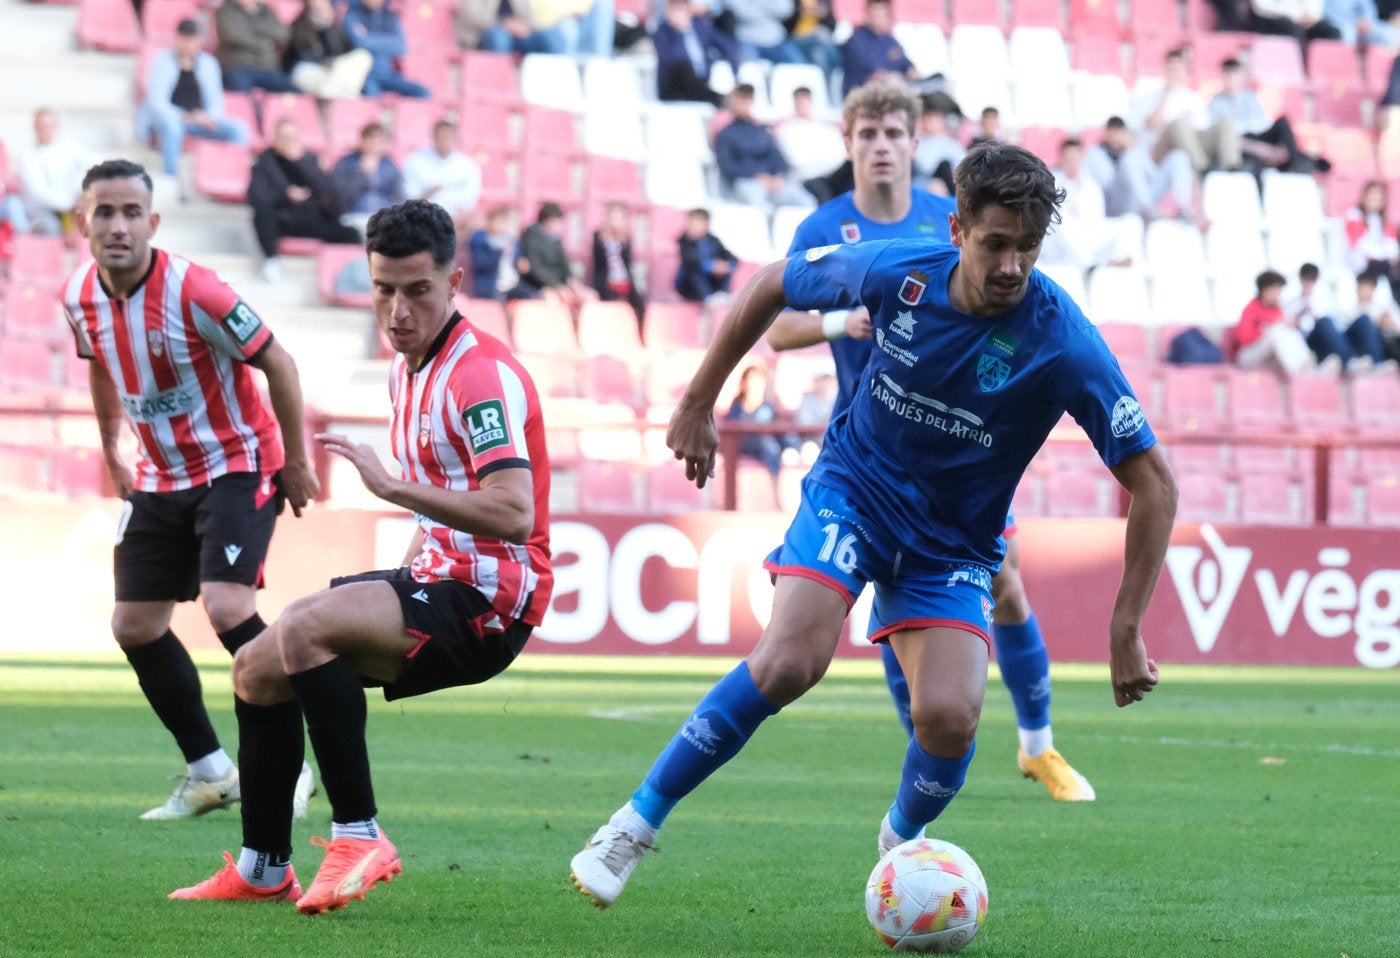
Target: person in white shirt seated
x=1353, y=336
x=445, y=175
x=51, y=178
x=938, y=152
x=812, y=146
x=1175, y=117
x=1086, y=237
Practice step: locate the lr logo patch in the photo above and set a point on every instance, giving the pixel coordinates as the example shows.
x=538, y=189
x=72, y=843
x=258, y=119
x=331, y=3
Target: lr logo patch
x=486, y=425
x=243, y=323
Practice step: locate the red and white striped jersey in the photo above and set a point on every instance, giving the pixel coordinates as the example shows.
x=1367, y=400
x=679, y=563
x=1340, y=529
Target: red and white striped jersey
x=470, y=410
x=177, y=349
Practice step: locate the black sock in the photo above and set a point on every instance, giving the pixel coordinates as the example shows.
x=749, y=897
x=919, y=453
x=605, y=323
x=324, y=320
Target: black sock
x=270, y=752
x=243, y=633
x=333, y=701
x=171, y=683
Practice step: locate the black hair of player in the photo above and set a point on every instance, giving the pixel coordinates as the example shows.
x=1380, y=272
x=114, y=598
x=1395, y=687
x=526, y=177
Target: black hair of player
x=411, y=227
x=118, y=170
x=1000, y=174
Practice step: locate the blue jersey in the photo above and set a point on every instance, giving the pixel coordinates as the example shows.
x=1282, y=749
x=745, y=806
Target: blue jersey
x=838, y=221
x=952, y=407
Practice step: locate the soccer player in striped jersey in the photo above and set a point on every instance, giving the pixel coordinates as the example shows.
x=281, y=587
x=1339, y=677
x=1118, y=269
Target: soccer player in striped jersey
x=171, y=349
x=880, y=120
x=468, y=437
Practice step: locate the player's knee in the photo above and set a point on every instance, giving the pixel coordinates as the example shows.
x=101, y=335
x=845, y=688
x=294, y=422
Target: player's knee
x=257, y=675
x=133, y=629
x=301, y=627
x=785, y=677
x=228, y=608
x=945, y=728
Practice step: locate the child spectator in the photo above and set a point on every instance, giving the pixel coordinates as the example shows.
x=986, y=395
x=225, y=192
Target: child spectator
x=752, y=404
x=1372, y=244
x=366, y=179
x=611, y=271
x=545, y=265
x=372, y=26
x=1265, y=337
x=1356, y=342
x=706, y=266
x=495, y=267
x=320, y=57
x=988, y=127
x=816, y=406
x=251, y=38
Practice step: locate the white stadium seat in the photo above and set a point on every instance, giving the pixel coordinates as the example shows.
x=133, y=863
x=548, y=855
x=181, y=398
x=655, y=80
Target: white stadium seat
x=551, y=80
x=925, y=46
x=1292, y=201
x=1096, y=97
x=786, y=219
x=787, y=77
x=1174, y=247
x=1232, y=198
x=744, y=229
x=1118, y=294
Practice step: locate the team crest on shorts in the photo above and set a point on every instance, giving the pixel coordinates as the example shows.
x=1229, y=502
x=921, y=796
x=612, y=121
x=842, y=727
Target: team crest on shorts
x=912, y=289
x=850, y=231
x=987, y=609
x=425, y=430
x=991, y=372
x=155, y=341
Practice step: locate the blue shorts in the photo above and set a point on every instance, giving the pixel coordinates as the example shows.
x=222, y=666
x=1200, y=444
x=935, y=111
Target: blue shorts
x=830, y=542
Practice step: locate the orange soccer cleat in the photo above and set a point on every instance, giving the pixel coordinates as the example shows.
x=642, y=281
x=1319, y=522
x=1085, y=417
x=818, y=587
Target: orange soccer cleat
x=351, y=867
x=228, y=885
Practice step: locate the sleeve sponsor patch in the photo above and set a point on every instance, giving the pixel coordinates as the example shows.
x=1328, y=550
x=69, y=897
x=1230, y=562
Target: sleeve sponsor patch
x=1127, y=417
x=242, y=323
x=486, y=426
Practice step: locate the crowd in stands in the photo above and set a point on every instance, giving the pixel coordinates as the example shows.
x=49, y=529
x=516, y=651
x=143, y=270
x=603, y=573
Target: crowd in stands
x=1192, y=105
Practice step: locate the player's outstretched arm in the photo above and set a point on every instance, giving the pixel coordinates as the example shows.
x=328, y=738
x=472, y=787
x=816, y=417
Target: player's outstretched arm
x=1148, y=479
x=299, y=482
x=692, y=435
x=107, y=406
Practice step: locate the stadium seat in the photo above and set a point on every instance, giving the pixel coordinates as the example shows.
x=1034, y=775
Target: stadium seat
x=1037, y=13
x=979, y=66
x=1126, y=340
x=107, y=26
x=1339, y=106
x=613, y=83
x=1096, y=17
x=611, y=180
x=1119, y=294
x=787, y=77
x=1375, y=403
x=1200, y=457
x=1277, y=60
x=607, y=486
x=1288, y=249
x=544, y=327
x=1154, y=18
x=549, y=130
x=32, y=311
x=159, y=18
x=301, y=108
x=669, y=372
x=1189, y=400
x=490, y=78
x=1334, y=64
x=847, y=11
x=429, y=29
x=1351, y=151
x=486, y=126
x=551, y=80
x=676, y=132
x=298, y=246
x=1268, y=457
x=794, y=372
x=673, y=326
x=79, y=472
x=669, y=492
x=1316, y=403
x=546, y=176
x=610, y=379
x=1388, y=153
x=344, y=121
x=556, y=376
x=744, y=229
x=925, y=44
x=1096, y=97
x=240, y=106
x=1256, y=402
x=1072, y=493
x=976, y=12
x=921, y=11
x=610, y=433
x=1150, y=52
x=608, y=131
x=1180, y=297
x=608, y=329
x=1269, y=498
x=1202, y=497
x=1174, y=249
x=23, y=470
x=661, y=267
x=39, y=260
x=786, y=219
x=26, y=362
x=331, y=258
x=1097, y=53
x=1232, y=198
x=1209, y=50
x=496, y=185
x=756, y=490
x=1236, y=252
x=1229, y=295
x=487, y=315
x=432, y=68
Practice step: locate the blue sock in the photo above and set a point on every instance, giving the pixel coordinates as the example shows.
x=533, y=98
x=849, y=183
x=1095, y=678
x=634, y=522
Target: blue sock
x=714, y=733
x=926, y=787
x=1025, y=668
x=899, y=686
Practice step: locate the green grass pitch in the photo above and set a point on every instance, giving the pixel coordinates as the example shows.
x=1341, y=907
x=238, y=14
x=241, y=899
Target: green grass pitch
x=1241, y=812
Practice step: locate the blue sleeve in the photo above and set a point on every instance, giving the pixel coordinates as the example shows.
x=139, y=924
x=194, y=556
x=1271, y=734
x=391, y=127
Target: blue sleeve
x=161, y=77
x=830, y=277
x=1101, y=400
x=211, y=84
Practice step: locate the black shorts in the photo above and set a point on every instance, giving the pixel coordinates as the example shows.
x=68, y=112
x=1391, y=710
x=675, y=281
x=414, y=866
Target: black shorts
x=170, y=542
x=453, y=650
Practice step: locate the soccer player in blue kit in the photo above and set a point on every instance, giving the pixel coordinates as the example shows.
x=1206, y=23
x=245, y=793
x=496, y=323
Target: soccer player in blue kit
x=880, y=119
x=976, y=359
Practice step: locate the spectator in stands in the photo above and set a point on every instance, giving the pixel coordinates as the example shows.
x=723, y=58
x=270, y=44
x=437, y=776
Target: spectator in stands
x=1132, y=181
x=185, y=97
x=1358, y=343
x=687, y=48
x=1264, y=337
x=1380, y=309
x=514, y=26
x=372, y=26
x=251, y=38
x=611, y=272
x=544, y=266
x=13, y=220
x=1176, y=118
x=811, y=27
x=320, y=57
x=759, y=27
x=752, y=404
x=872, y=48
x=444, y=174
x=292, y=196
x=1266, y=144
x=812, y=146
x=988, y=127
x=51, y=178
x=1389, y=103
x=366, y=179
x=495, y=266
x=752, y=169
x=816, y=405
x=1301, y=19
x=938, y=152
x=707, y=267
x=1358, y=23
x=1372, y=242
x=1086, y=237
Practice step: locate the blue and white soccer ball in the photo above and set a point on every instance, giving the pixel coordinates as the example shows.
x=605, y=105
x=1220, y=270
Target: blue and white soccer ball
x=926, y=896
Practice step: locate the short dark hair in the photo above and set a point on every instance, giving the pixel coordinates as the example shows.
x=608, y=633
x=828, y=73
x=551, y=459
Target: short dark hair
x=118, y=170
x=1115, y=123
x=1071, y=141
x=990, y=111
x=802, y=91
x=372, y=128
x=1230, y=63
x=549, y=210
x=1269, y=279
x=446, y=123
x=699, y=211
x=1371, y=275
x=1000, y=174
x=1309, y=272
x=744, y=89
x=188, y=28
x=410, y=227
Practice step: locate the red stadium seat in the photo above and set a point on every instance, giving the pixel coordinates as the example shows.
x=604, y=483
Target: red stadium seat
x=496, y=186
x=486, y=126
x=1075, y=493
x=1097, y=53
x=1256, y=402
x=1098, y=17
x=1200, y=16
x=1154, y=18
x=221, y=171
x=1266, y=458
x=1037, y=13
x=544, y=327
x=23, y=470
x=1150, y=52
x=547, y=176
x=1126, y=340
x=851, y=11
x=1200, y=457
x=555, y=376
x=433, y=69
x=1334, y=64
x=429, y=30
x=1351, y=151
x=1209, y=50
x=298, y=246
x=79, y=473
x=1316, y=404
x=301, y=108
x=345, y=120
x=39, y=260
x=550, y=131
x=975, y=11
x=1383, y=500
x=669, y=492
x=1339, y=105
x=1267, y=498
x=26, y=362
x=1375, y=403
x=490, y=78
x=1277, y=60
x=330, y=260
x=104, y=25
x=159, y=18
x=1189, y=399
x=611, y=180
x=756, y=490
x=413, y=122
x=240, y=106
x=1202, y=497
x=608, y=329
x=920, y=11
x=608, y=379
x=607, y=486
x=32, y=311
x=486, y=315
x=1388, y=153
x=668, y=374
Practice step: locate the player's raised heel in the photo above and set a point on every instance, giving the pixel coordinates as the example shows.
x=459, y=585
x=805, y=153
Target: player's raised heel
x=889, y=838
x=351, y=867
x=196, y=796
x=227, y=885
x=1051, y=770
x=601, y=870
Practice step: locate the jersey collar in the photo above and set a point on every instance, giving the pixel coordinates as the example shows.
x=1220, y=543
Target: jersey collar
x=440, y=341
x=155, y=255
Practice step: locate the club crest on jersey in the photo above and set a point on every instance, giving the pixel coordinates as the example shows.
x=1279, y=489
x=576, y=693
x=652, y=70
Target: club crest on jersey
x=850, y=231
x=425, y=430
x=991, y=372
x=912, y=289
x=155, y=341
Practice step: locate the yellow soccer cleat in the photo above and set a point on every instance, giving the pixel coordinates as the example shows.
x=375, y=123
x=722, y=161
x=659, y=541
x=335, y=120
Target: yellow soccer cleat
x=1051, y=770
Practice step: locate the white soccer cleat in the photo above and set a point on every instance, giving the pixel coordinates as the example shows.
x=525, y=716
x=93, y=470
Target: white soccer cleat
x=306, y=787
x=195, y=796
x=601, y=870
x=889, y=838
